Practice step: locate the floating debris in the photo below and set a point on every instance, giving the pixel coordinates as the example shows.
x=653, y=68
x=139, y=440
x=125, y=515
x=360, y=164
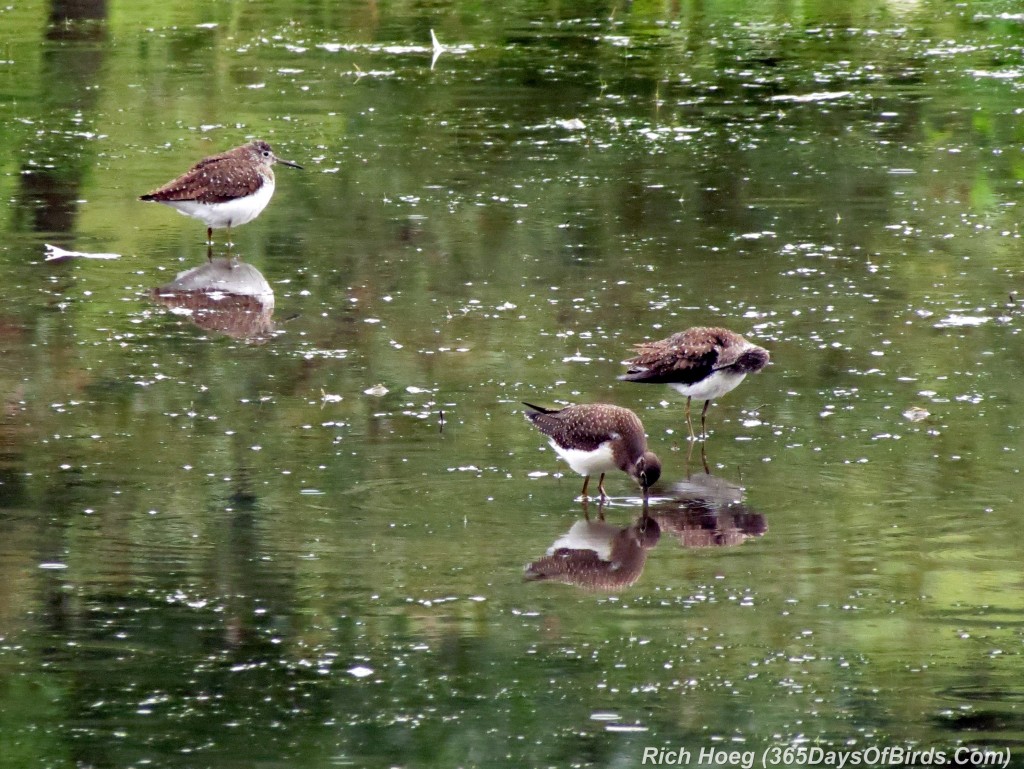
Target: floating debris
x=916, y=414
x=436, y=47
x=577, y=358
x=378, y=390
x=817, y=96
x=954, y=320
x=572, y=124
x=58, y=254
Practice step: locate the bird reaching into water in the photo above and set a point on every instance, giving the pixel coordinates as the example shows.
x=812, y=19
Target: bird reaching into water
x=598, y=438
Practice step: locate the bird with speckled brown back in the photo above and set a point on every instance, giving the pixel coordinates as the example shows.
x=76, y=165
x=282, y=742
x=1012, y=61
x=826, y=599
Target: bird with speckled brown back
x=702, y=362
x=225, y=190
x=598, y=438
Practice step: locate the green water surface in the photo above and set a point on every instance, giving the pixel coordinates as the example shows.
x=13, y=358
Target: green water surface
x=299, y=542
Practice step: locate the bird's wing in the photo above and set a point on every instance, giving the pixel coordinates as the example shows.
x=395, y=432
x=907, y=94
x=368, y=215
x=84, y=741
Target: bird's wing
x=211, y=180
x=568, y=427
x=682, y=357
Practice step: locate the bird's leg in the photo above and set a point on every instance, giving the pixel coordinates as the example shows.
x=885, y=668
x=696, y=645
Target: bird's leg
x=586, y=481
x=209, y=236
x=600, y=488
x=689, y=455
x=703, y=419
x=689, y=424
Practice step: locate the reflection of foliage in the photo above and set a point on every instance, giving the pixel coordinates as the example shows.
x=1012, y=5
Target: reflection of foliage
x=26, y=702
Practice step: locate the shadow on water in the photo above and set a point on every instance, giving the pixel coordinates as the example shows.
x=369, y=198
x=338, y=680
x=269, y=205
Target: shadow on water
x=598, y=555
x=225, y=296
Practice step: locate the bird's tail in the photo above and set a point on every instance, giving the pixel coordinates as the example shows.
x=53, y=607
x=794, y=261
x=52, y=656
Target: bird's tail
x=539, y=409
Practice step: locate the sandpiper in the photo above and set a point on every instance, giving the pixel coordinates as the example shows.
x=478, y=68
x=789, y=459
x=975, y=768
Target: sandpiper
x=224, y=190
x=701, y=362
x=598, y=438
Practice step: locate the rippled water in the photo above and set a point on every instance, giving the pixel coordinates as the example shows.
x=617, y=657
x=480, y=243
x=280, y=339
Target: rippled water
x=284, y=521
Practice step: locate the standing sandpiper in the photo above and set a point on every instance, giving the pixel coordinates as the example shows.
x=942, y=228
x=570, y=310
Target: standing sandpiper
x=224, y=190
x=703, y=363
x=598, y=438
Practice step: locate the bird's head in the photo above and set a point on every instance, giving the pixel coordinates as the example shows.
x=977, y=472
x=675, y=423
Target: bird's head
x=647, y=470
x=752, y=360
x=267, y=156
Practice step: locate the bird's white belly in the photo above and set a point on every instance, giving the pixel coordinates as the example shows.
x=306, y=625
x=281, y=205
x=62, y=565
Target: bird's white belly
x=588, y=535
x=231, y=213
x=715, y=386
x=588, y=462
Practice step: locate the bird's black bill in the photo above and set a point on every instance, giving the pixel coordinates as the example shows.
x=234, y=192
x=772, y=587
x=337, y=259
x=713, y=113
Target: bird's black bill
x=289, y=163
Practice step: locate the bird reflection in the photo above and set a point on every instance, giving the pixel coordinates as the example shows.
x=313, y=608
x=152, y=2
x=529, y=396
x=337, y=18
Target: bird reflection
x=225, y=296
x=706, y=510
x=598, y=555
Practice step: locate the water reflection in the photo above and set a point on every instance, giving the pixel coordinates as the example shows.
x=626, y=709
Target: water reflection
x=56, y=161
x=598, y=555
x=224, y=295
x=702, y=510
x=706, y=510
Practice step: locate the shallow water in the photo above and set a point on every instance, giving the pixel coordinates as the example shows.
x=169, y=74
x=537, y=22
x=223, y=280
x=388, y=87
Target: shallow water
x=293, y=533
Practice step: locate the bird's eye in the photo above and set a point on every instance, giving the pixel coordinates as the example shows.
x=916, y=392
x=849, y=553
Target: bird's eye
x=266, y=153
